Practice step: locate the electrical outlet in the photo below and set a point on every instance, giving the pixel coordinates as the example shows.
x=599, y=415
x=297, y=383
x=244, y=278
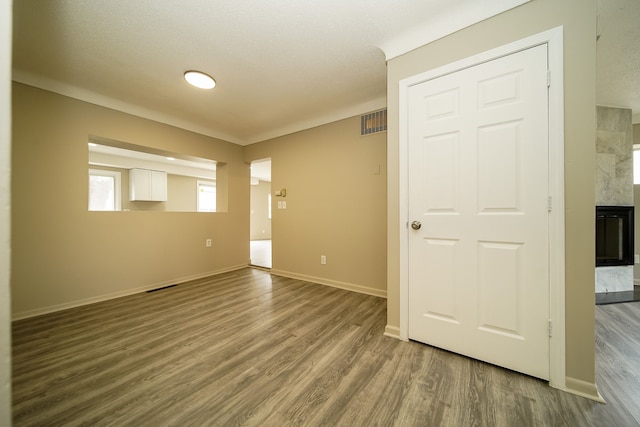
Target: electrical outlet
x=207, y=243
x=323, y=259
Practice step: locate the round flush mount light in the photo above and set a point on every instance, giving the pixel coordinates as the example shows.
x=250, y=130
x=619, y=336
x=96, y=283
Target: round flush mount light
x=199, y=79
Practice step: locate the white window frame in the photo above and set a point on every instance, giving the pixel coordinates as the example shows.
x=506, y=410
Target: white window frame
x=207, y=184
x=117, y=182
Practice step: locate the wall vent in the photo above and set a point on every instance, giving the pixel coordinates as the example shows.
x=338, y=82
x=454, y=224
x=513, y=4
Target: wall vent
x=373, y=122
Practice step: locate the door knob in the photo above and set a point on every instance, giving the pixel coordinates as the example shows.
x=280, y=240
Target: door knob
x=416, y=225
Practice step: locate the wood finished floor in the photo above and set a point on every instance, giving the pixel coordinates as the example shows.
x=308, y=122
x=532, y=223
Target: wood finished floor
x=248, y=348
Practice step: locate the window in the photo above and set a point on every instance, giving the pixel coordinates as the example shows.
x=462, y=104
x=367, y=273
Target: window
x=636, y=164
x=104, y=190
x=206, y=196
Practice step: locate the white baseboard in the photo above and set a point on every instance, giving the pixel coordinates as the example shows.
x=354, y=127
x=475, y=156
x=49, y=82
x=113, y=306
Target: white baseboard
x=583, y=389
x=64, y=306
x=332, y=283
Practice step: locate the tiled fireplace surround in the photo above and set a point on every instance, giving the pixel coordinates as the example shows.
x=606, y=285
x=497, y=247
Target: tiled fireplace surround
x=614, y=182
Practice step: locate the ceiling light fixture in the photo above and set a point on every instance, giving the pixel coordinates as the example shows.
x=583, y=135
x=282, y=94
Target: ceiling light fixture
x=199, y=79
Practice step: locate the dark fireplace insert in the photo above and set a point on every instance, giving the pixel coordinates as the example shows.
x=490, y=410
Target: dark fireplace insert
x=614, y=235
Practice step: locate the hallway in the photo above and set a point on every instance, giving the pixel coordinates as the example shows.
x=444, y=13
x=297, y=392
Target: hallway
x=261, y=253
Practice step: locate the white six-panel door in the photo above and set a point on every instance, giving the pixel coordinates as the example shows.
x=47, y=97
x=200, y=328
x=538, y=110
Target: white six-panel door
x=478, y=187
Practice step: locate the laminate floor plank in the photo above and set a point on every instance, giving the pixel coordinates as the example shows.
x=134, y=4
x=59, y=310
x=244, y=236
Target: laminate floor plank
x=248, y=348
x=618, y=364
x=316, y=362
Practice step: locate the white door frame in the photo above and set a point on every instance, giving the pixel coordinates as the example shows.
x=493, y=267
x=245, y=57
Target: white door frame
x=554, y=40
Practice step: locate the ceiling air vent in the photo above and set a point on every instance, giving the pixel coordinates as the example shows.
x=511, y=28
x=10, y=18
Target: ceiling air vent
x=373, y=122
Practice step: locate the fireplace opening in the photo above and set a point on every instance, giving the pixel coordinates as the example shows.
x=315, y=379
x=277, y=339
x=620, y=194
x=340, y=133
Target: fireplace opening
x=614, y=235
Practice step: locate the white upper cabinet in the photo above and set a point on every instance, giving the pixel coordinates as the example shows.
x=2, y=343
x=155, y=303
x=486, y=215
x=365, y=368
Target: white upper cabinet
x=147, y=185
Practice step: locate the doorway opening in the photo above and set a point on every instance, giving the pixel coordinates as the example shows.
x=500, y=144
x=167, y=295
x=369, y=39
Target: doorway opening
x=260, y=218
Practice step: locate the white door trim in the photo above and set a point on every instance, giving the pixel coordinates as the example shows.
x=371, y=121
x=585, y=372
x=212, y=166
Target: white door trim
x=554, y=39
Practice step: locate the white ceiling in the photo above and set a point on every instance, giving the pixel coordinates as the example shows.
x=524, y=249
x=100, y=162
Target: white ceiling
x=281, y=66
x=127, y=158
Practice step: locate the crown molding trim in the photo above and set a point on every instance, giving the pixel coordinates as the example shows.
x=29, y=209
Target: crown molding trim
x=469, y=14
x=116, y=104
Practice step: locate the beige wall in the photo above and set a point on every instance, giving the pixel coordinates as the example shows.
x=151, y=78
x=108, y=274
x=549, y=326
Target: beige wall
x=260, y=221
x=64, y=255
x=336, y=197
x=181, y=195
x=578, y=19
x=5, y=204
